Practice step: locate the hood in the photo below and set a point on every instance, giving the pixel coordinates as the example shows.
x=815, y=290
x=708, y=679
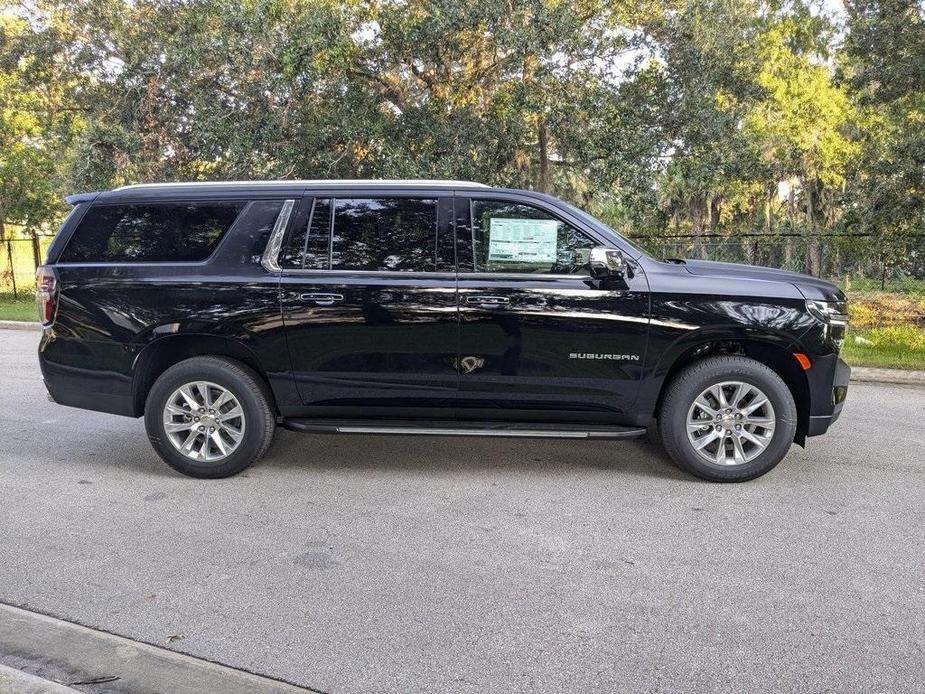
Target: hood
x=810, y=287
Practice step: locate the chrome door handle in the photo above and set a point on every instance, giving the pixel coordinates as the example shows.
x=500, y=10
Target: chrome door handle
x=483, y=300
x=322, y=299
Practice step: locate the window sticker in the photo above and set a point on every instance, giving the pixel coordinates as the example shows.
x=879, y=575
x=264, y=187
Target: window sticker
x=522, y=240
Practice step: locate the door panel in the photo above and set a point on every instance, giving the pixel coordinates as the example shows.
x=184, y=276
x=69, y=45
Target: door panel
x=372, y=342
x=555, y=344
x=545, y=345
x=362, y=341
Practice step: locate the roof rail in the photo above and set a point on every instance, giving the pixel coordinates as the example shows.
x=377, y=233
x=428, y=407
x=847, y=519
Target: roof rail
x=315, y=182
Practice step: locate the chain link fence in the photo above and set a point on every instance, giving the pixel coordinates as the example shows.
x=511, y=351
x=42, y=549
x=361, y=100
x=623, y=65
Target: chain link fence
x=853, y=262
x=885, y=279
x=19, y=257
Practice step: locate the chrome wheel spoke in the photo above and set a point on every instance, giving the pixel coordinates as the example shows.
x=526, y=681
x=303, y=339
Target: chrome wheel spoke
x=233, y=413
x=196, y=426
x=706, y=440
x=187, y=394
x=759, y=401
x=189, y=441
x=749, y=436
x=765, y=422
x=221, y=400
x=738, y=452
x=737, y=394
x=219, y=443
x=704, y=406
x=233, y=434
x=206, y=394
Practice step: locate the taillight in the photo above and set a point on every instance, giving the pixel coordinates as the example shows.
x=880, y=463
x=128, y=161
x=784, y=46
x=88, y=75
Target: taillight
x=46, y=293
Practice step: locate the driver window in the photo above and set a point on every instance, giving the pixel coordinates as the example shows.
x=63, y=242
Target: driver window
x=513, y=237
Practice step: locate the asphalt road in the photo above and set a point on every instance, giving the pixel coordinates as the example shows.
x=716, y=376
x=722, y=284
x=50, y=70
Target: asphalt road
x=404, y=564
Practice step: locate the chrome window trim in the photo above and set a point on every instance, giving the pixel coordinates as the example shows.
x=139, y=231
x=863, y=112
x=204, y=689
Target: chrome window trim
x=460, y=275
x=369, y=273
x=270, y=261
x=270, y=258
x=522, y=276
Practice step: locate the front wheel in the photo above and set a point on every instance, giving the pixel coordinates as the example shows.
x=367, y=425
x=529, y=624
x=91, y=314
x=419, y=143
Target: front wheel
x=209, y=417
x=727, y=419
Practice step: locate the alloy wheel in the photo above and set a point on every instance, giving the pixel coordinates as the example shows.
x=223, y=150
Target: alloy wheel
x=730, y=423
x=204, y=421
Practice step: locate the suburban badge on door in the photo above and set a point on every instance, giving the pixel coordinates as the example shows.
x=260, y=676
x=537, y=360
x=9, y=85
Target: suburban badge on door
x=610, y=357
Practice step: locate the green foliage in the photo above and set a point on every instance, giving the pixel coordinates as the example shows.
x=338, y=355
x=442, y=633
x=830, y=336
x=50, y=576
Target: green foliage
x=900, y=347
x=702, y=116
x=20, y=308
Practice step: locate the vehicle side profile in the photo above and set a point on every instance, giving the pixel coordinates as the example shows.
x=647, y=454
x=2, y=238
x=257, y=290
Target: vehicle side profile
x=218, y=311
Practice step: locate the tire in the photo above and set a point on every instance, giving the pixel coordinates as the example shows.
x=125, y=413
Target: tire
x=742, y=458
x=242, y=439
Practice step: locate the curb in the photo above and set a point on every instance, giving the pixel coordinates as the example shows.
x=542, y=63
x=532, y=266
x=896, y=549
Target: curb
x=867, y=374
x=94, y=656
x=19, y=325
x=13, y=681
x=859, y=374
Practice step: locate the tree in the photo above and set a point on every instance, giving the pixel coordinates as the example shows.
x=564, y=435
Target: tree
x=884, y=65
x=36, y=128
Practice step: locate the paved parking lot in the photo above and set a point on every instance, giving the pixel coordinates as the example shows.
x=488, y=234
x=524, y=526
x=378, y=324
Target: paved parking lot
x=402, y=564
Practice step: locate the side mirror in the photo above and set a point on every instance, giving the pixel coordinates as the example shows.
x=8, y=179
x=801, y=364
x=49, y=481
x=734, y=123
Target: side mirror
x=607, y=262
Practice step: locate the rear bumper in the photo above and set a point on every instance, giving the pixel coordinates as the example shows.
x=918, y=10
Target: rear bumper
x=86, y=375
x=832, y=394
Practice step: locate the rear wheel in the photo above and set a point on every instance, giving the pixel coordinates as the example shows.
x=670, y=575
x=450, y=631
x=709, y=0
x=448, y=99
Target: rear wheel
x=727, y=419
x=209, y=417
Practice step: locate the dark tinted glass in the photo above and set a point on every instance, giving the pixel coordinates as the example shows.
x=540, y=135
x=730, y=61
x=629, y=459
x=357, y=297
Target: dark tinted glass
x=171, y=232
x=398, y=234
x=511, y=237
x=319, y=235
x=254, y=228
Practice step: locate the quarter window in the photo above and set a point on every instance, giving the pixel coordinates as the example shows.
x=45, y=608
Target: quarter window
x=163, y=232
x=308, y=244
x=513, y=237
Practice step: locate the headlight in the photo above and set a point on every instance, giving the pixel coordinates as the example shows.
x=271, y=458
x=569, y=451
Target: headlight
x=829, y=312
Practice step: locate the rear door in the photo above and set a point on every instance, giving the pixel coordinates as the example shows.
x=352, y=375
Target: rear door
x=368, y=294
x=539, y=338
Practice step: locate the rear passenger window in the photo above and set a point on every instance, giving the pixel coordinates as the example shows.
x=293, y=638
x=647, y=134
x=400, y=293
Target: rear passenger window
x=384, y=234
x=393, y=234
x=170, y=232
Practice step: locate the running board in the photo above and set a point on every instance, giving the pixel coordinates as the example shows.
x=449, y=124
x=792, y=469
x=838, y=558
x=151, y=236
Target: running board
x=444, y=428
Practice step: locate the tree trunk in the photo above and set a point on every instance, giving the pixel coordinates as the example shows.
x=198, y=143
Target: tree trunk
x=9, y=255
x=544, y=183
x=36, y=251
x=811, y=243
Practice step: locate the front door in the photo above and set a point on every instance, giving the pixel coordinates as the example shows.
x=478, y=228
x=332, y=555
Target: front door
x=538, y=336
x=369, y=304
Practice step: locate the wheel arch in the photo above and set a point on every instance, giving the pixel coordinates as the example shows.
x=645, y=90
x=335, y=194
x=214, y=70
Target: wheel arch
x=774, y=351
x=162, y=353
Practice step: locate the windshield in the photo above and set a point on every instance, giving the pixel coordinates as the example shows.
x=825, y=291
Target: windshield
x=595, y=222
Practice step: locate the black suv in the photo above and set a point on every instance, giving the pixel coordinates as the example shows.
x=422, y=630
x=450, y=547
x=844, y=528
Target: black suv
x=219, y=310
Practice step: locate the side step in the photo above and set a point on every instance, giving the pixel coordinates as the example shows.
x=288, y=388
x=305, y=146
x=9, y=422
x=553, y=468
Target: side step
x=453, y=428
